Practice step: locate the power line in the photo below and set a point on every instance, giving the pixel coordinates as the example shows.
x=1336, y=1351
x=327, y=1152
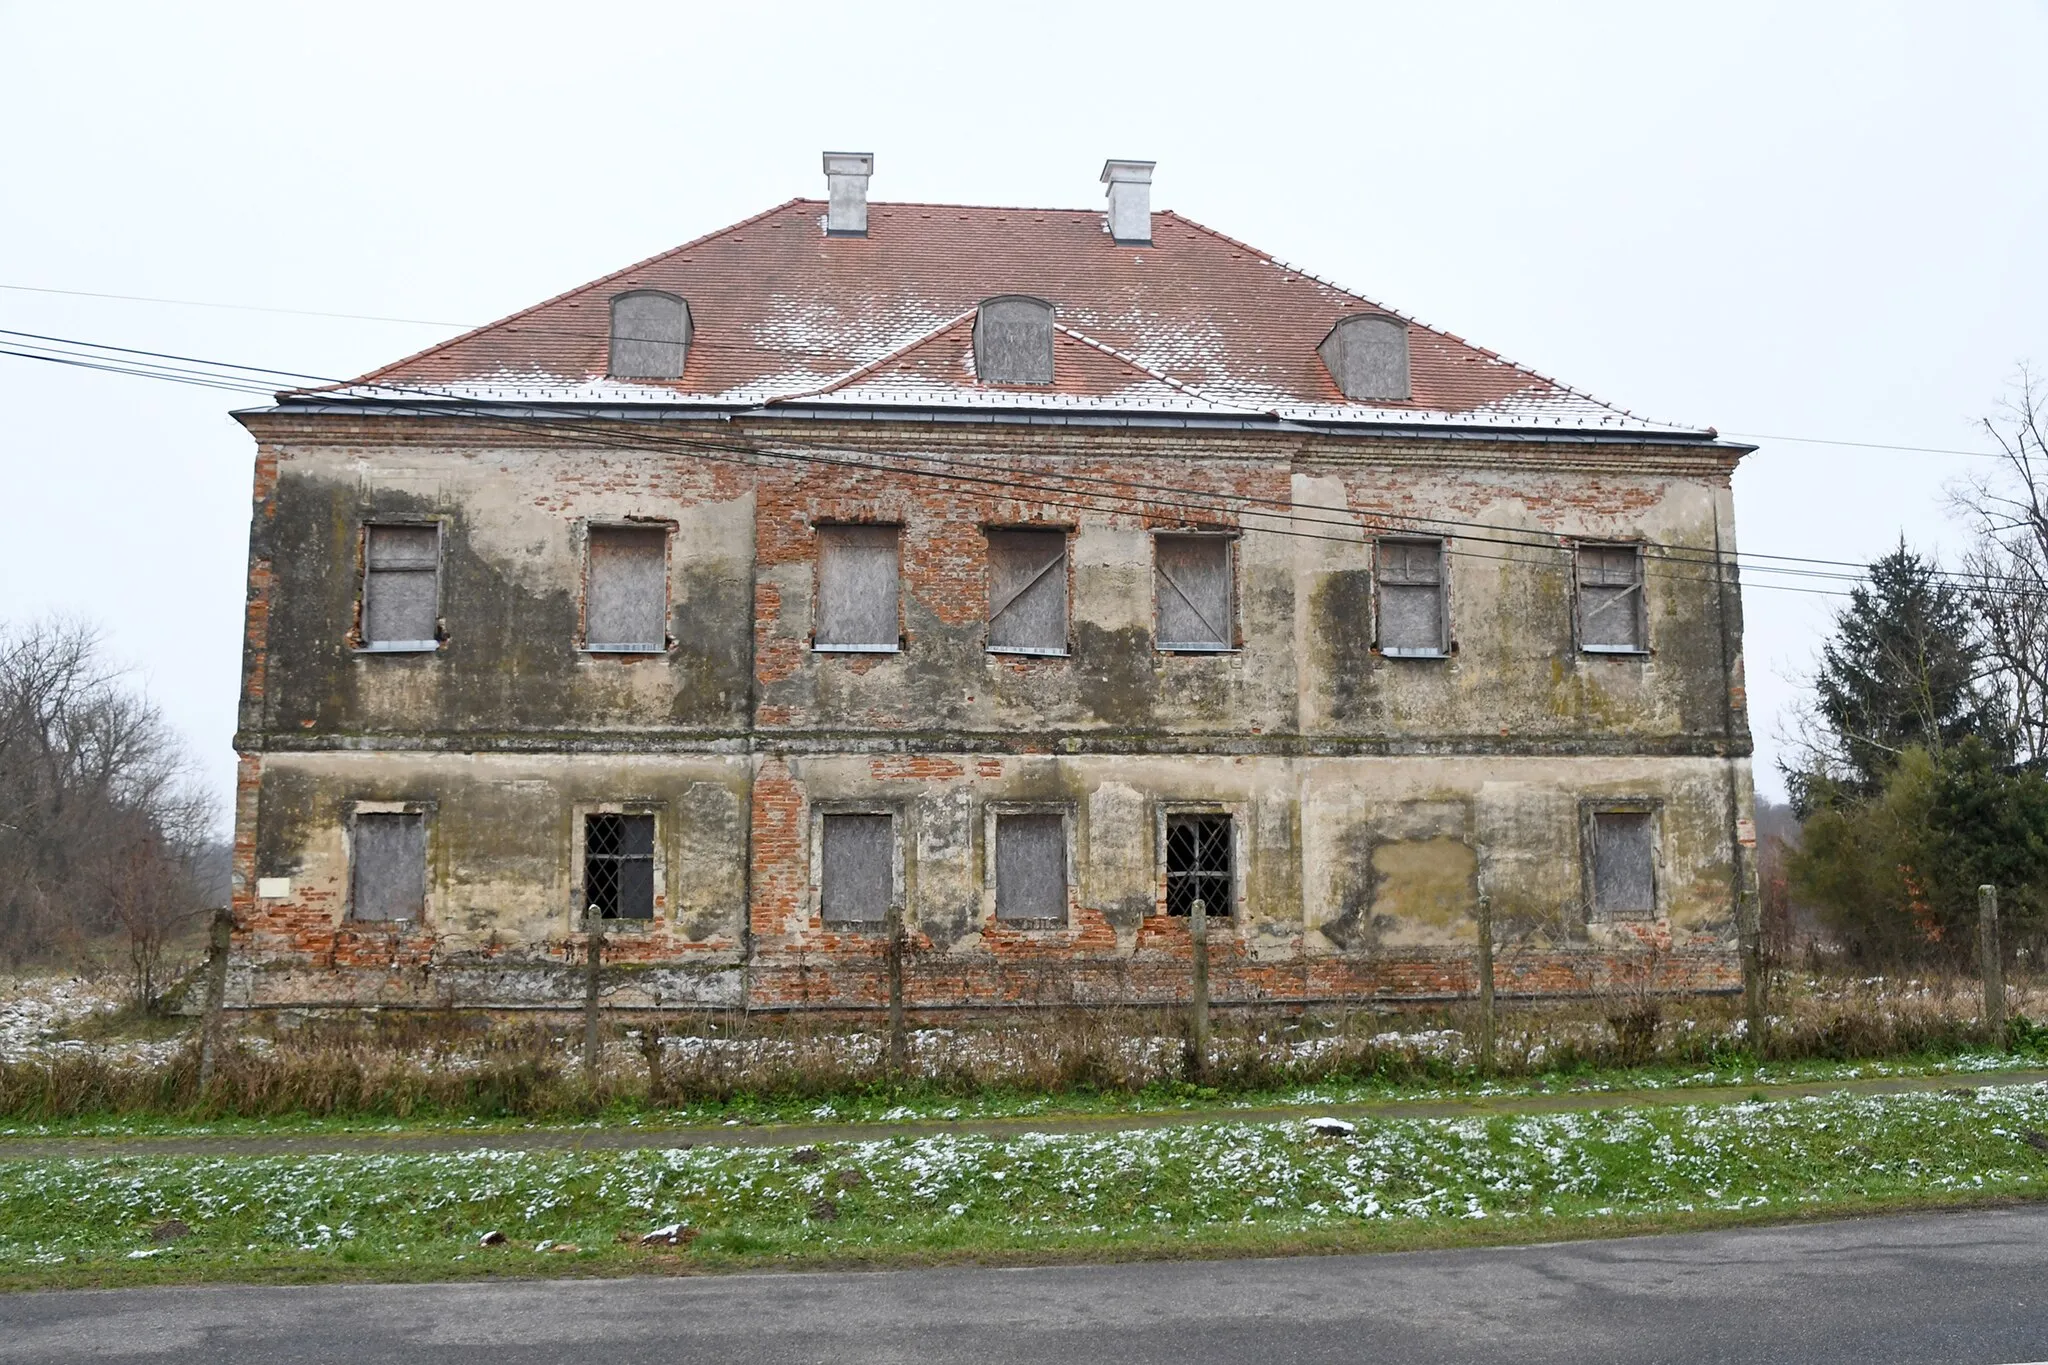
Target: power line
x=236, y=379
x=232, y=307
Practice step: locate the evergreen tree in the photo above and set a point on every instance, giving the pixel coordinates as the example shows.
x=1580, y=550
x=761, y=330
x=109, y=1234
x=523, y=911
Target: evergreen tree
x=1903, y=669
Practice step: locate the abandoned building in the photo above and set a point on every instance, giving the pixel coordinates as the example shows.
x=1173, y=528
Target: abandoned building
x=1016, y=576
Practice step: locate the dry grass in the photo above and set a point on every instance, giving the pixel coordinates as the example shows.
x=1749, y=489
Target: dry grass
x=453, y=1064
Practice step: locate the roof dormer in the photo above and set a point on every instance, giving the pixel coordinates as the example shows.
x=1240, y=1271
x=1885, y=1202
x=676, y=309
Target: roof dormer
x=1013, y=340
x=650, y=336
x=1367, y=354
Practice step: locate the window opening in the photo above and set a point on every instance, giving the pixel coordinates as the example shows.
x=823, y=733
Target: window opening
x=650, y=335
x=1411, y=584
x=857, y=590
x=625, y=590
x=1031, y=869
x=1027, y=592
x=390, y=872
x=1611, y=599
x=401, y=587
x=1013, y=341
x=1192, y=592
x=618, y=866
x=1624, y=863
x=1367, y=355
x=858, y=873
x=1198, y=864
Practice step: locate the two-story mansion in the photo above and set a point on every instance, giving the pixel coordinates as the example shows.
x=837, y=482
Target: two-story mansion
x=1032, y=573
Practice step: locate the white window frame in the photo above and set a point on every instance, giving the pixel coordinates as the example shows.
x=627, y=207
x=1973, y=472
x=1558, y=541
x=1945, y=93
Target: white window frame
x=590, y=528
x=1443, y=597
x=1641, y=599
x=818, y=646
x=363, y=644
x=1231, y=644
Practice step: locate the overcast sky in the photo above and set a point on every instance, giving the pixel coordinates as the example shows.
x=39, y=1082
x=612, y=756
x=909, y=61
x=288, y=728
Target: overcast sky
x=1820, y=221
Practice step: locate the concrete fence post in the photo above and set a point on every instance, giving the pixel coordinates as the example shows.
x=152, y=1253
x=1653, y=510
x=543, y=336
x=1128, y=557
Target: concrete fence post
x=1750, y=927
x=1486, y=1016
x=593, y=969
x=899, y=1038
x=220, y=938
x=1991, y=961
x=1198, y=1003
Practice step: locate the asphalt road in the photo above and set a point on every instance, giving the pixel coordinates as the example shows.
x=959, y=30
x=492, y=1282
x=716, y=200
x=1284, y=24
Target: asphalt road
x=1962, y=1288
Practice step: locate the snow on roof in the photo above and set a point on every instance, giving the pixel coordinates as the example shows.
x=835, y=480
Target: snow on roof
x=1196, y=324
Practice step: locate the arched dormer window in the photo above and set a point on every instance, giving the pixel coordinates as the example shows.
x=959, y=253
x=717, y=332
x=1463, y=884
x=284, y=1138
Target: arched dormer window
x=1013, y=340
x=650, y=335
x=1367, y=354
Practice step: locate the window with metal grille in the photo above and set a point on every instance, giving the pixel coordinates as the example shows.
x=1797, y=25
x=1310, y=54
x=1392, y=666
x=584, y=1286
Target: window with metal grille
x=1192, y=591
x=1027, y=592
x=388, y=872
x=1198, y=864
x=857, y=868
x=1031, y=869
x=401, y=587
x=1611, y=599
x=1624, y=863
x=625, y=590
x=618, y=866
x=857, y=590
x=1411, y=588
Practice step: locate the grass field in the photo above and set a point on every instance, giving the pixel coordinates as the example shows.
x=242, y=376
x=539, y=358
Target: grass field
x=1198, y=1189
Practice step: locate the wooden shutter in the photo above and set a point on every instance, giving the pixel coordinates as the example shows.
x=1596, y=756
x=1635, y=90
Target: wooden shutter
x=1624, y=864
x=389, y=876
x=625, y=591
x=858, y=868
x=1192, y=591
x=1411, y=593
x=402, y=586
x=1610, y=598
x=1027, y=591
x=857, y=589
x=1031, y=867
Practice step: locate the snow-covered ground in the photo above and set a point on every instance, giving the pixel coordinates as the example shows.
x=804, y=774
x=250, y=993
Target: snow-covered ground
x=38, y=1013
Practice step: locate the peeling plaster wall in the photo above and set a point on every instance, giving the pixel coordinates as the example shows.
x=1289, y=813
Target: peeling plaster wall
x=1374, y=799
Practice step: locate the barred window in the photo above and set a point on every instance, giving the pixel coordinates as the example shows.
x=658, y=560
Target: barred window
x=1031, y=869
x=625, y=590
x=388, y=871
x=1611, y=599
x=401, y=587
x=1192, y=591
x=1027, y=592
x=1198, y=864
x=857, y=590
x=858, y=868
x=618, y=866
x=1411, y=595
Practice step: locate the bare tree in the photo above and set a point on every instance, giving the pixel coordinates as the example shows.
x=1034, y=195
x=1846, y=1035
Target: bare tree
x=2007, y=568
x=101, y=825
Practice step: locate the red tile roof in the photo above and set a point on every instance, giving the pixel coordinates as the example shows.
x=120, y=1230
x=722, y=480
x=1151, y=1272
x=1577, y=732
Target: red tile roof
x=1196, y=323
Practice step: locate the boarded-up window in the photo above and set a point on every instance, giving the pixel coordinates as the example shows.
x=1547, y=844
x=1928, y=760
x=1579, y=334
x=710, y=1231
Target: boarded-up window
x=858, y=868
x=857, y=592
x=618, y=866
x=1611, y=599
x=1013, y=341
x=1192, y=591
x=650, y=335
x=625, y=590
x=1031, y=869
x=1624, y=863
x=401, y=587
x=1027, y=591
x=389, y=875
x=1411, y=583
x=1198, y=864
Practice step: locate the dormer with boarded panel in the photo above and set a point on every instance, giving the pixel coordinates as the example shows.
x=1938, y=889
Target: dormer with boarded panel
x=1013, y=340
x=1367, y=354
x=650, y=335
